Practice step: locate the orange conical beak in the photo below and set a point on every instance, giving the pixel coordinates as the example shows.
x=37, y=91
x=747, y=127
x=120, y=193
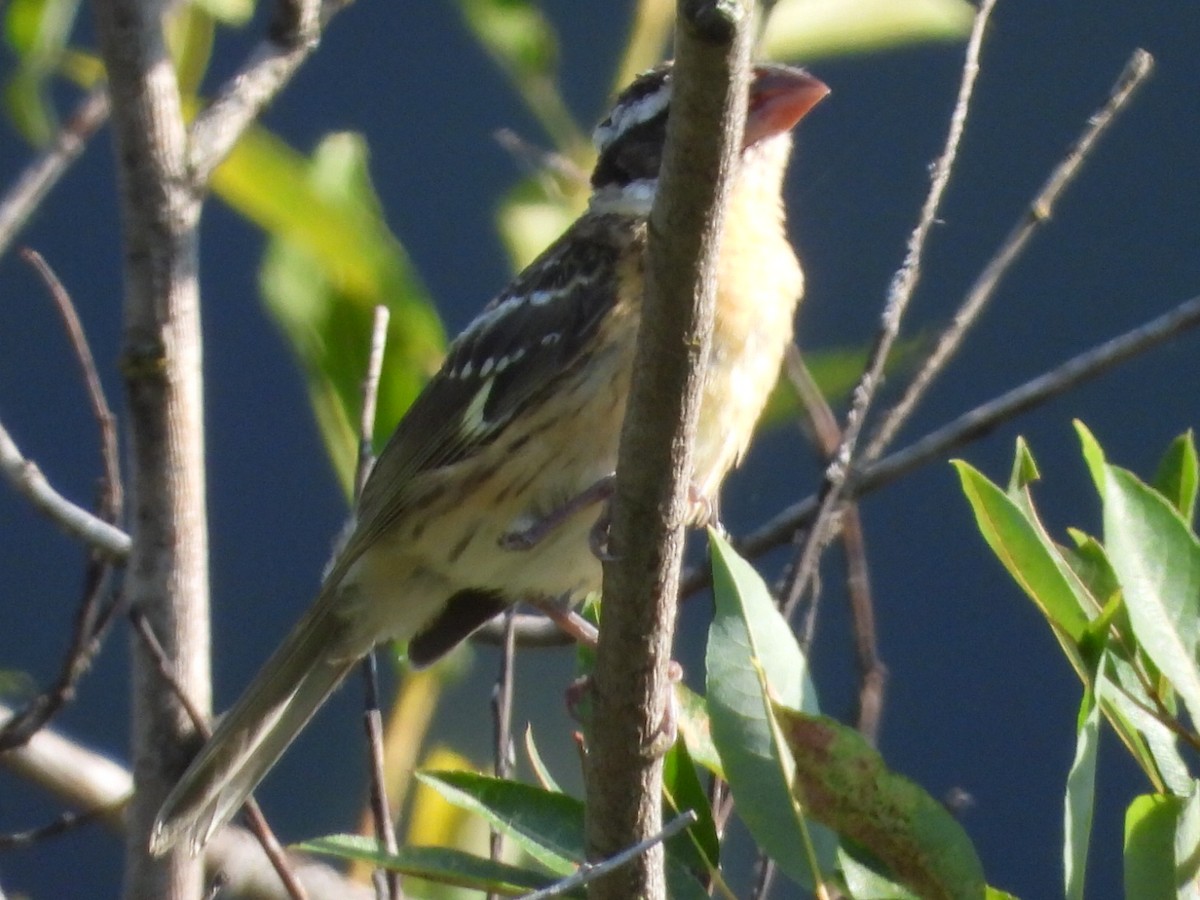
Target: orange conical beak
x=779, y=98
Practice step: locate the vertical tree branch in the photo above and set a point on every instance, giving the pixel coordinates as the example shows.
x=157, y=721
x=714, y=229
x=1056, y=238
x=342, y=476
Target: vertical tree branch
x=632, y=689
x=167, y=574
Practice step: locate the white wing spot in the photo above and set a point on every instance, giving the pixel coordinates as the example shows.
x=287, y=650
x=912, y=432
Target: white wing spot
x=473, y=421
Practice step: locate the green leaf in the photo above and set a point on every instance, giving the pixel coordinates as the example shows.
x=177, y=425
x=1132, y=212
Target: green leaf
x=442, y=865
x=1157, y=561
x=1081, y=797
x=330, y=261
x=844, y=784
x=521, y=39
x=1025, y=469
x=696, y=728
x=229, y=12
x=540, y=770
x=1155, y=746
x=747, y=637
x=533, y=214
x=809, y=29
x=1150, y=847
x=1187, y=847
x=1021, y=546
x=37, y=32
x=1093, y=455
x=1177, y=476
x=836, y=371
x=698, y=846
x=546, y=825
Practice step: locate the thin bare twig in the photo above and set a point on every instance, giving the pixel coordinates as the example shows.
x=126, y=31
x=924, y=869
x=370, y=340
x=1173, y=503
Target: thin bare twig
x=899, y=294
x=91, y=621
x=62, y=824
x=975, y=424
x=44, y=172
x=112, y=499
x=370, y=398
x=589, y=873
x=502, y=709
x=1133, y=76
x=387, y=883
x=28, y=481
x=87, y=780
x=255, y=819
x=872, y=671
x=265, y=73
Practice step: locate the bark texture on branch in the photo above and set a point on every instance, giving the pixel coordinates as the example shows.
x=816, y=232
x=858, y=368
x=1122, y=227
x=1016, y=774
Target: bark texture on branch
x=631, y=685
x=167, y=572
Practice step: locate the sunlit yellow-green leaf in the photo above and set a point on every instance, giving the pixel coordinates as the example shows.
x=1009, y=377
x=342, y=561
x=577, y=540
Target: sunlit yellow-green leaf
x=231, y=12
x=653, y=22
x=330, y=261
x=531, y=216
x=522, y=40
x=36, y=31
x=190, y=32
x=809, y=29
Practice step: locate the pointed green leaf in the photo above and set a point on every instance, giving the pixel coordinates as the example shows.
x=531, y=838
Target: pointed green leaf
x=1176, y=478
x=750, y=645
x=696, y=729
x=438, y=864
x=331, y=260
x=546, y=825
x=1093, y=455
x=698, y=846
x=1024, y=471
x=809, y=29
x=1157, y=561
x=1030, y=558
x=540, y=770
x=1081, y=797
x=1150, y=847
x=844, y=784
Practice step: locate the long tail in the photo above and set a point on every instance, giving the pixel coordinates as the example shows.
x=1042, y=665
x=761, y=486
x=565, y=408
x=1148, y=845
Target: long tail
x=252, y=736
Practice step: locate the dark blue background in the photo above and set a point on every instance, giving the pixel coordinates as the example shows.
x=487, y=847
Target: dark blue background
x=979, y=696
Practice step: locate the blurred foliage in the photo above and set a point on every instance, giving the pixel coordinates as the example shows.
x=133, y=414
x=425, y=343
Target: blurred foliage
x=1126, y=611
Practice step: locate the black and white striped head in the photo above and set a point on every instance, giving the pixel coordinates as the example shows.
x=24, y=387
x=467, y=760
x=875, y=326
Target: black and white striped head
x=630, y=140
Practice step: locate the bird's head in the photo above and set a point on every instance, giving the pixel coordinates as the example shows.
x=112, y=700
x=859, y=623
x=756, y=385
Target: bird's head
x=630, y=140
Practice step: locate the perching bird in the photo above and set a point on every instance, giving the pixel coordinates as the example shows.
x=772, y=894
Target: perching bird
x=474, y=503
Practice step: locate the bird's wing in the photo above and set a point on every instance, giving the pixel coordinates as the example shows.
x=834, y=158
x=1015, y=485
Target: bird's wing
x=522, y=343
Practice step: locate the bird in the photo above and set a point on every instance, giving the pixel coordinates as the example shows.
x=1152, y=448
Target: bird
x=487, y=492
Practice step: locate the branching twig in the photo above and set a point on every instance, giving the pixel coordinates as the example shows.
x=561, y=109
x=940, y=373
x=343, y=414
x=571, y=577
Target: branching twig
x=242, y=99
x=975, y=424
x=899, y=294
x=872, y=671
x=91, y=622
x=1135, y=73
x=44, y=172
x=65, y=822
x=87, y=780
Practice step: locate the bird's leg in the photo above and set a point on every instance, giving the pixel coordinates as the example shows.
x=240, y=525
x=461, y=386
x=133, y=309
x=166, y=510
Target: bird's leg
x=530, y=536
x=572, y=623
